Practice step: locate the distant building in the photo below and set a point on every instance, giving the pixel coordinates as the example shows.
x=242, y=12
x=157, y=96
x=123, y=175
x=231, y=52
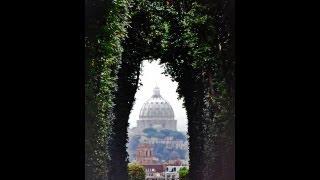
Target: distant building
x=172, y=172
x=168, y=141
x=175, y=162
x=158, y=114
x=155, y=113
x=144, y=155
x=154, y=170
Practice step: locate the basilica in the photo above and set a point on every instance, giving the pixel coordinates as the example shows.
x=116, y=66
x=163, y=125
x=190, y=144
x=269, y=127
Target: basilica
x=155, y=113
x=163, y=138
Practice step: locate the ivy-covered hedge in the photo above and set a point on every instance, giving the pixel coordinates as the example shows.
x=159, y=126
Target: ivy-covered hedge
x=194, y=39
x=106, y=24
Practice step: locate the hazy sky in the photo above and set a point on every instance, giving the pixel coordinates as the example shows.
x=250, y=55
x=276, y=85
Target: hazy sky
x=151, y=76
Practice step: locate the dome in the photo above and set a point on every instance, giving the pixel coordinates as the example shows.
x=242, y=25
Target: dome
x=156, y=108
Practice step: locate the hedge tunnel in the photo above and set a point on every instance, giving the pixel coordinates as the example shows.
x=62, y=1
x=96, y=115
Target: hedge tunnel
x=194, y=39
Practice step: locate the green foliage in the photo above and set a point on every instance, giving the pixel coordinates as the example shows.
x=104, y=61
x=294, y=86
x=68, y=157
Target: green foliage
x=194, y=40
x=183, y=173
x=134, y=143
x=106, y=28
x=136, y=172
x=160, y=151
x=151, y=132
x=175, y=134
x=163, y=153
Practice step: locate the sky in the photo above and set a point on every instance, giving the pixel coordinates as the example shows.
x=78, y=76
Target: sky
x=152, y=76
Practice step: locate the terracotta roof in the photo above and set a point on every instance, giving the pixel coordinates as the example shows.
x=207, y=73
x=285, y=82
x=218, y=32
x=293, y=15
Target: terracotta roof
x=157, y=167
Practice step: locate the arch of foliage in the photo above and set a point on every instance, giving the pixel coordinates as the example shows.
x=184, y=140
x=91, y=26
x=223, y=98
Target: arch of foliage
x=194, y=39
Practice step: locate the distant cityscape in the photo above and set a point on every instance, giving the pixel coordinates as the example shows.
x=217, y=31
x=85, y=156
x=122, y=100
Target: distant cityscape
x=155, y=143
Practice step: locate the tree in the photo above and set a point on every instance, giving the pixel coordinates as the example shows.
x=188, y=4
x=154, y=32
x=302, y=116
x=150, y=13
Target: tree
x=136, y=172
x=133, y=144
x=150, y=132
x=183, y=173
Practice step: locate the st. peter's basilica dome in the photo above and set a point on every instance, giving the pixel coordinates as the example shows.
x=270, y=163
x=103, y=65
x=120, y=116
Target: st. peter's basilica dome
x=156, y=108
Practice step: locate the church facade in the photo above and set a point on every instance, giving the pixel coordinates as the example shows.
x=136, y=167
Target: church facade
x=144, y=155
